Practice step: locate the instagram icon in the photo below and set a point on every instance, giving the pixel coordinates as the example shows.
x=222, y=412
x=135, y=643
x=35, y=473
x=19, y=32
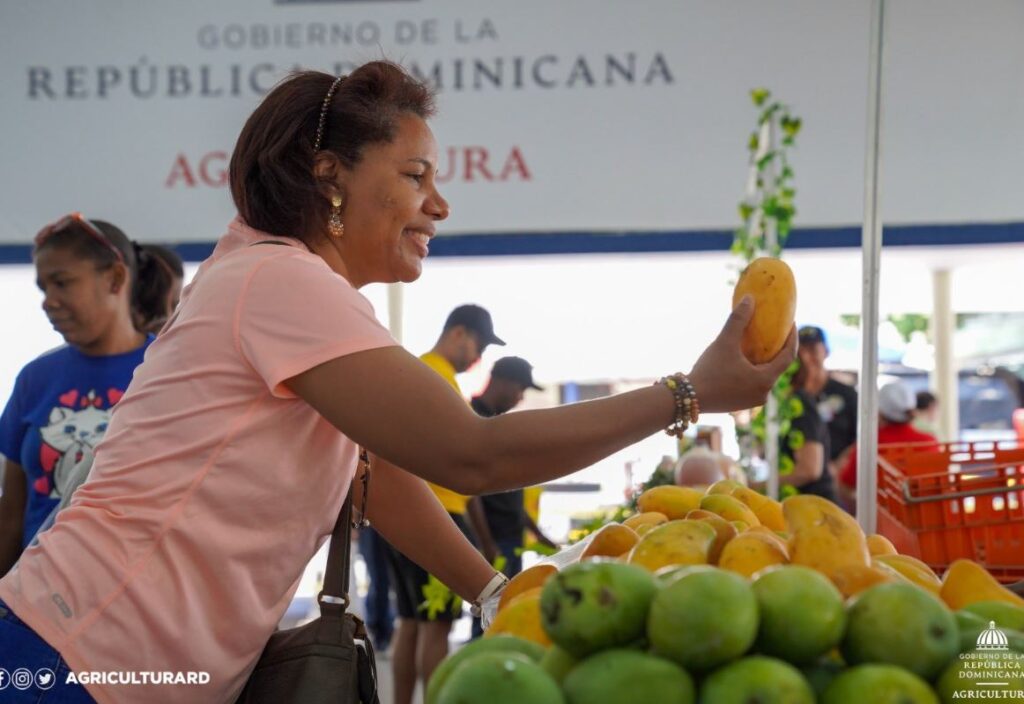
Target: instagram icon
x=21, y=678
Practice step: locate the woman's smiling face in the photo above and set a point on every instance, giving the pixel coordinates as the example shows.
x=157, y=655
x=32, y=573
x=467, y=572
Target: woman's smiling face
x=391, y=204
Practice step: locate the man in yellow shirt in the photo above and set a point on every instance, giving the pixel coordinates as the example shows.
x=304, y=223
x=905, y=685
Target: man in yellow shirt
x=466, y=334
x=420, y=643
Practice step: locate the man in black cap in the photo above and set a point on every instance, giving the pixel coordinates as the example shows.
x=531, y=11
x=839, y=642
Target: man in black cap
x=467, y=333
x=500, y=519
x=836, y=401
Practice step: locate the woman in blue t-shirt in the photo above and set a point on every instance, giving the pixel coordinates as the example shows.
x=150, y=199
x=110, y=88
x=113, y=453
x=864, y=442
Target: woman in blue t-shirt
x=61, y=403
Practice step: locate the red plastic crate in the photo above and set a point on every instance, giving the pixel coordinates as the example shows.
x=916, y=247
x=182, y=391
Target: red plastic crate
x=945, y=501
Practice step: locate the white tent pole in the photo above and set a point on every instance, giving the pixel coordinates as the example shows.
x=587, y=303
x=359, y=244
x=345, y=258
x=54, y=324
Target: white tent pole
x=395, y=310
x=944, y=378
x=871, y=247
x=771, y=239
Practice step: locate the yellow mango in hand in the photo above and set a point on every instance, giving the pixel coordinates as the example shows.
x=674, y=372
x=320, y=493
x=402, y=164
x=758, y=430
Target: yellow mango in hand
x=769, y=281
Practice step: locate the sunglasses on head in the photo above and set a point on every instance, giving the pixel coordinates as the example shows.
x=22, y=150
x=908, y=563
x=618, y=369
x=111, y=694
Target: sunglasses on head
x=84, y=224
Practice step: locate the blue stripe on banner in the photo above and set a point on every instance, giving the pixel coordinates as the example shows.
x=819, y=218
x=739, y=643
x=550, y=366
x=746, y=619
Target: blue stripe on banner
x=531, y=243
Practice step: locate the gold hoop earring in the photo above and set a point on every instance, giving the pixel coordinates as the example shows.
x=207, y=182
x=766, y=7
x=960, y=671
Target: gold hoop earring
x=334, y=223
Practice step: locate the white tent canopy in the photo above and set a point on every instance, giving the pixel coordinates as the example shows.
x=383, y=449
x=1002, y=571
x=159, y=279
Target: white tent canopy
x=564, y=121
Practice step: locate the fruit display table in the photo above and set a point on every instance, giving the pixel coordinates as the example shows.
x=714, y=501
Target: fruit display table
x=727, y=596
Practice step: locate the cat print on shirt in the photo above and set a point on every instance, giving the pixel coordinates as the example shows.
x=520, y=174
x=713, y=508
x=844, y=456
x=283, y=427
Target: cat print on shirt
x=75, y=428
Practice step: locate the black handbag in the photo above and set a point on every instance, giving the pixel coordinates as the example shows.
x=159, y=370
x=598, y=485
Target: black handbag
x=329, y=660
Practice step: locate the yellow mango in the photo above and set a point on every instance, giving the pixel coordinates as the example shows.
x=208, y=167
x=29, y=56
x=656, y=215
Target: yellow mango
x=650, y=518
x=967, y=582
x=824, y=550
x=769, y=281
x=853, y=579
x=521, y=617
x=880, y=545
x=803, y=510
x=674, y=543
x=768, y=511
x=672, y=501
x=912, y=569
x=729, y=508
x=823, y=535
x=723, y=486
x=724, y=531
x=765, y=530
x=889, y=570
x=740, y=526
x=530, y=578
x=610, y=540
x=749, y=553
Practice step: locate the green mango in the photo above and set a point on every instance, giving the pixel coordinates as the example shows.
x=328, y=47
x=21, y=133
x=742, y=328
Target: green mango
x=972, y=625
x=491, y=644
x=499, y=678
x=620, y=675
x=1005, y=614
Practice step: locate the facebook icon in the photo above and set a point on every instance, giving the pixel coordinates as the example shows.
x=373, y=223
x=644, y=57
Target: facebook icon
x=5, y=678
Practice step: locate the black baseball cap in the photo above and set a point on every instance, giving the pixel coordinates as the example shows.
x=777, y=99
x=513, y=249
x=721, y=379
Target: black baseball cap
x=478, y=320
x=812, y=335
x=515, y=369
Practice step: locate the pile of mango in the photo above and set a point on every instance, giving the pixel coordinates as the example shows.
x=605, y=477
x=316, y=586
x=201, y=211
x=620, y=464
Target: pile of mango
x=727, y=596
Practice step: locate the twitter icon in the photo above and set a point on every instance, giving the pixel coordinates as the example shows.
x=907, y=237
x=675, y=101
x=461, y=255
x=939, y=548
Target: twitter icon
x=45, y=679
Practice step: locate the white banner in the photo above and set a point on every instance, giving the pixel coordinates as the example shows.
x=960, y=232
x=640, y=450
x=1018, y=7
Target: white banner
x=575, y=115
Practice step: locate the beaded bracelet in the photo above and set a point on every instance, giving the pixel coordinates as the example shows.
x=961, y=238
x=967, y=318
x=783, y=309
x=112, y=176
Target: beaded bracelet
x=687, y=405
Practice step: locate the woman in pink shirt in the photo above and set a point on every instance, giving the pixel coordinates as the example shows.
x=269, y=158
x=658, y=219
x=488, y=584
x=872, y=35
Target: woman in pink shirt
x=231, y=453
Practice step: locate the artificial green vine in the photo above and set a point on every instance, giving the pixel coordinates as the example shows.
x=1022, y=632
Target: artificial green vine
x=772, y=202
x=775, y=193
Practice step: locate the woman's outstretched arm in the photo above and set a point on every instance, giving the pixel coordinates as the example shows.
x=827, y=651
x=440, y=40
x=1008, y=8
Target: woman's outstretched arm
x=390, y=402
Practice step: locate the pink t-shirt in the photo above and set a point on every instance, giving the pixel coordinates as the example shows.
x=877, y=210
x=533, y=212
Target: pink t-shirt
x=214, y=487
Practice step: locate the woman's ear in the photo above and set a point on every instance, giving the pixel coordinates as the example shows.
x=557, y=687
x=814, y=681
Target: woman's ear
x=118, y=277
x=329, y=175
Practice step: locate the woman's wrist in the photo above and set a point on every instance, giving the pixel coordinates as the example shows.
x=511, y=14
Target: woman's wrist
x=700, y=387
x=478, y=572
x=494, y=585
